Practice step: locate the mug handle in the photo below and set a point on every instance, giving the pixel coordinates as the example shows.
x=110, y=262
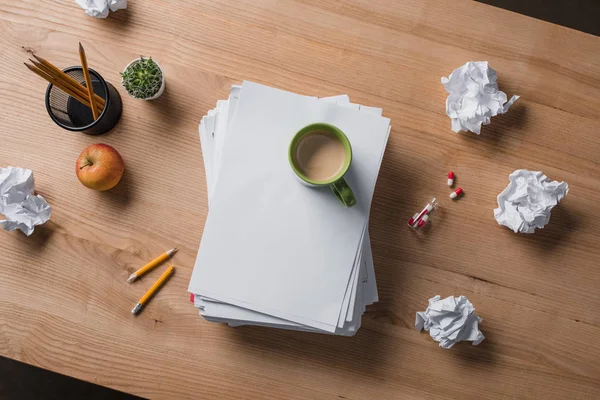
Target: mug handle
x=343, y=192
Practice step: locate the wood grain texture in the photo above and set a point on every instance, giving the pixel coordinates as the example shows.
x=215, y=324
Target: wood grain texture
x=64, y=300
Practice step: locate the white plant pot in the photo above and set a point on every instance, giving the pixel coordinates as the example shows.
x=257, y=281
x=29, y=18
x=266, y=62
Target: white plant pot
x=162, y=85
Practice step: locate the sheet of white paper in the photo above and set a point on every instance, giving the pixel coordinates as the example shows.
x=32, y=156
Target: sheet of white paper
x=236, y=316
x=357, y=302
x=367, y=288
x=370, y=291
x=22, y=209
x=268, y=251
x=450, y=320
x=218, y=132
x=350, y=294
x=100, y=8
x=341, y=99
x=221, y=127
x=207, y=131
x=372, y=110
x=527, y=202
x=474, y=97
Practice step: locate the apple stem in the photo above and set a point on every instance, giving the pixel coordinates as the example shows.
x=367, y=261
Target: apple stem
x=86, y=165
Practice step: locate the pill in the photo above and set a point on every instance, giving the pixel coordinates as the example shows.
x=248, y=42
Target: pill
x=456, y=193
x=423, y=221
x=413, y=219
x=450, y=178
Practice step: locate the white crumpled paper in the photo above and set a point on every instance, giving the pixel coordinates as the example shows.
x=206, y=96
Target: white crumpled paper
x=450, y=320
x=99, y=8
x=23, y=209
x=527, y=201
x=474, y=96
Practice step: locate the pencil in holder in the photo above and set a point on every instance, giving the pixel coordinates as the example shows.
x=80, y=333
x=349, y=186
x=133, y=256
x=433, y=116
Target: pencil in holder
x=68, y=113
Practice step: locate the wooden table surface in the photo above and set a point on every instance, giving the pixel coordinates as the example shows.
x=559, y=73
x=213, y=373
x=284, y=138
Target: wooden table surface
x=64, y=301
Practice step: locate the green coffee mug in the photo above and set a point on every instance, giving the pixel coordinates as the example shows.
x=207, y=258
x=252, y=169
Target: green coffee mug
x=337, y=183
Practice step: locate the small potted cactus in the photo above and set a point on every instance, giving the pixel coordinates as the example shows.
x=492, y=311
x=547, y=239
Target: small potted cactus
x=143, y=79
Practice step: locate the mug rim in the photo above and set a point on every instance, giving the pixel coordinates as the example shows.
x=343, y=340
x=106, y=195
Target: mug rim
x=339, y=134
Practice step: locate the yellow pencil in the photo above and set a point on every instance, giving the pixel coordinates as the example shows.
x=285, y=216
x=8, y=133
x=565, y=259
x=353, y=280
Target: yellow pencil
x=151, y=265
x=144, y=300
x=88, y=81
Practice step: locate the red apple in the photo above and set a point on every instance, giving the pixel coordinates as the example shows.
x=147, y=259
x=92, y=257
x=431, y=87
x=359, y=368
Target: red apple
x=99, y=167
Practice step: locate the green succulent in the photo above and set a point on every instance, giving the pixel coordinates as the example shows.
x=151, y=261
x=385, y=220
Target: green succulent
x=142, y=78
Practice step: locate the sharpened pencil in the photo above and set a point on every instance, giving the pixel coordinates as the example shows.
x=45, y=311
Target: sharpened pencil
x=152, y=291
x=88, y=81
x=151, y=265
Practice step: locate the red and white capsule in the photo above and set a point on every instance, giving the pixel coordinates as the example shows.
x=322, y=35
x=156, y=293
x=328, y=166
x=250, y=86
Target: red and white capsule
x=413, y=219
x=423, y=221
x=450, y=178
x=456, y=193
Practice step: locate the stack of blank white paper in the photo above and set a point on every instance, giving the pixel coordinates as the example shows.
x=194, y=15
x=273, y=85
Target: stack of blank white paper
x=274, y=252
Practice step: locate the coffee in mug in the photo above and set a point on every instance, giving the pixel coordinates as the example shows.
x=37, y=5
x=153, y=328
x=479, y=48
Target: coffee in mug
x=320, y=155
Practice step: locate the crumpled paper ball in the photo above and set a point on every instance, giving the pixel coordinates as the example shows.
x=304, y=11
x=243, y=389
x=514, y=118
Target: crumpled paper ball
x=450, y=321
x=99, y=8
x=474, y=97
x=527, y=201
x=18, y=203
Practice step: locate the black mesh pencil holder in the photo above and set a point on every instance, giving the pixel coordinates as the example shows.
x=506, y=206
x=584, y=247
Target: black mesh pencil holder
x=69, y=113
